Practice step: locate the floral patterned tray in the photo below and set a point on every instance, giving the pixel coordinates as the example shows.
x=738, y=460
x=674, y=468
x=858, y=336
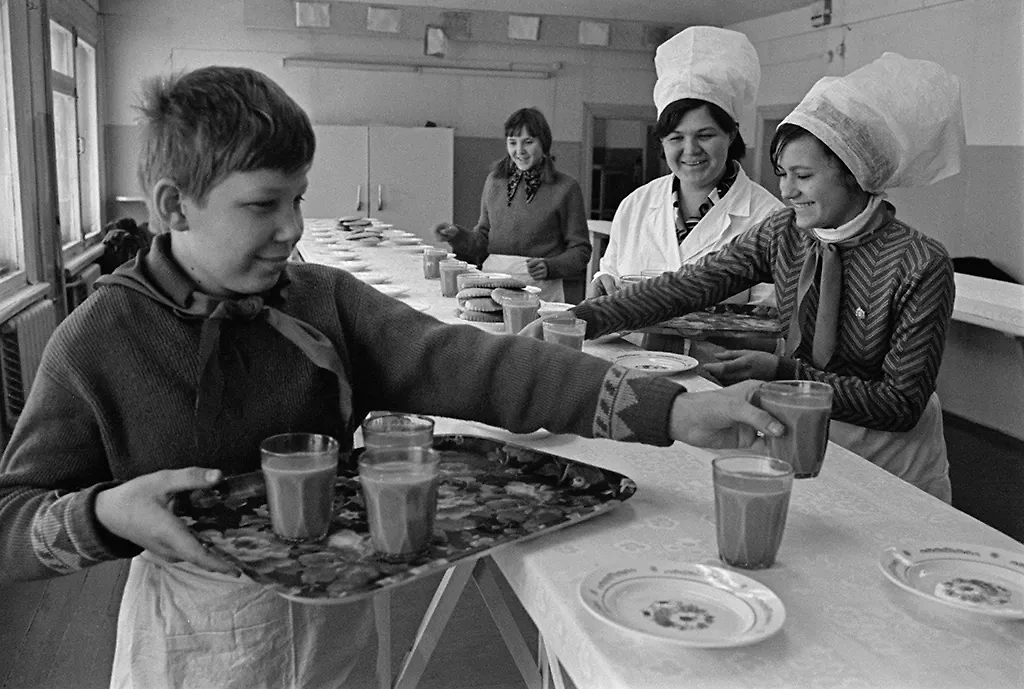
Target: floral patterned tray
x=490, y=494
x=724, y=319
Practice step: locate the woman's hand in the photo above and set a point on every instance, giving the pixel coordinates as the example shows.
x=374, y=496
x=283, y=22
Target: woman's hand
x=538, y=268
x=445, y=231
x=138, y=511
x=722, y=418
x=743, y=364
x=601, y=285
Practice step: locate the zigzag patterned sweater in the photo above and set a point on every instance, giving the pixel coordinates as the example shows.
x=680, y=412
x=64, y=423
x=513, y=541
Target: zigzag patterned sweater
x=115, y=394
x=897, y=299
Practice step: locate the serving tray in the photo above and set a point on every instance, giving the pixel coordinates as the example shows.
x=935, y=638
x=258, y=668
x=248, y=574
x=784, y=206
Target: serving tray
x=724, y=319
x=490, y=494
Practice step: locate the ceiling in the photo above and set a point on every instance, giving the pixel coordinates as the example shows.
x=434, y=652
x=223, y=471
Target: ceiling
x=676, y=12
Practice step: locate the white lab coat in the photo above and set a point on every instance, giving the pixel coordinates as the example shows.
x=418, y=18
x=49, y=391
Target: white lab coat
x=643, y=232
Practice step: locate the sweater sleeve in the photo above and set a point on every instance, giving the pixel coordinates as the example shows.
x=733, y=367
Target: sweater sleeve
x=50, y=474
x=572, y=263
x=408, y=361
x=896, y=401
x=739, y=265
x=473, y=245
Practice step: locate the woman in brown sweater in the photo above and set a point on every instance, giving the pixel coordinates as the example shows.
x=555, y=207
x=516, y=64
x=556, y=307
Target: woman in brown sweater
x=532, y=220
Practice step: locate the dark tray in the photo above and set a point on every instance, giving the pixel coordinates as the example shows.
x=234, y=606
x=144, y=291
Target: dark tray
x=723, y=319
x=491, y=494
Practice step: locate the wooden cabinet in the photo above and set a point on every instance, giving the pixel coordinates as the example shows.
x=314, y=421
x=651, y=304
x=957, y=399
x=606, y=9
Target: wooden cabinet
x=401, y=175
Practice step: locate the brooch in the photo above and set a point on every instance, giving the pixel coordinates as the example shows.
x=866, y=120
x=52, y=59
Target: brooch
x=859, y=313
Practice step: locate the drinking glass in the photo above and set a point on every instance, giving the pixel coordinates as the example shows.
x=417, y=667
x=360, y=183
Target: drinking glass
x=386, y=430
x=751, y=501
x=805, y=408
x=563, y=330
x=449, y=270
x=299, y=470
x=519, y=310
x=431, y=258
x=400, y=491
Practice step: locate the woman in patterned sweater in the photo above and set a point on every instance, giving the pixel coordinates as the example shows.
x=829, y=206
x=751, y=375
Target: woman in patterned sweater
x=866, y=297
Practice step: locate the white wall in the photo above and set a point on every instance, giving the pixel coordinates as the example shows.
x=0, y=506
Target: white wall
x=980, y=211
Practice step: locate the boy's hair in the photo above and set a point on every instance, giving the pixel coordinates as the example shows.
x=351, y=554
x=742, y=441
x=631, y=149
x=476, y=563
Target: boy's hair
x=203, y=125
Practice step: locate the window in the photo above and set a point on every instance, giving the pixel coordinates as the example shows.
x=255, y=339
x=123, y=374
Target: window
x=11, y=219
x=76, y=134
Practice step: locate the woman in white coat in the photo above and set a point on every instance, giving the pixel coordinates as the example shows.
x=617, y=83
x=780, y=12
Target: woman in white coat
x=706, y=76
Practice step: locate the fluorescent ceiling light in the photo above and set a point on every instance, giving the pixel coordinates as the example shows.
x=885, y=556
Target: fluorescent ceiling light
x=520, y=70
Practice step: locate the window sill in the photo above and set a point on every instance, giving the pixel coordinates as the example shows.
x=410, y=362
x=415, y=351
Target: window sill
x=74, y=266
x=22, y=299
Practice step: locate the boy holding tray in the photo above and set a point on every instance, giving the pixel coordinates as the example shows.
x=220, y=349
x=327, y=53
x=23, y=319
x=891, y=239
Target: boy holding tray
x=168, y=378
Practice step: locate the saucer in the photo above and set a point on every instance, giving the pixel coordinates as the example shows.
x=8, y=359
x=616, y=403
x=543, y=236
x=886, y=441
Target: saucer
x=683, y=603
x=392, y=290
x=372, y=278
x=657, y=363
x=987, y=581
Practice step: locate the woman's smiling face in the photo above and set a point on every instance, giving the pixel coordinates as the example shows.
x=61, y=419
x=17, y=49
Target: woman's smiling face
x=524, y=149
x=816, y=185
x=697, y=150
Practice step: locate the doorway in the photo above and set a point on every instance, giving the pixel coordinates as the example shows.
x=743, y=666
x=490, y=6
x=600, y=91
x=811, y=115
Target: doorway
x=619, y=155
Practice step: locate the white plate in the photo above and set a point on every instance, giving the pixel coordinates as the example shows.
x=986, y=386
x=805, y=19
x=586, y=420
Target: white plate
x=657, y=363
x=534, y=289
x=354, y=266
x=689, y=604
x=372, y=278
x=988, y=581
x=392, y=290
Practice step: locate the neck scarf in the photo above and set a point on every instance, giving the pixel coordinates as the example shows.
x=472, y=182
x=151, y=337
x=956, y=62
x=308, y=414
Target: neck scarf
x=155, y=274
x=532, y=177
x=823, y=268
x=684, y=226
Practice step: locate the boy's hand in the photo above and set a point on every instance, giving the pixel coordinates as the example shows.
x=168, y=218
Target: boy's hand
x=722, y=418
x=538, y=268
x=601, y=285
x=138, y=511
x=743, y=364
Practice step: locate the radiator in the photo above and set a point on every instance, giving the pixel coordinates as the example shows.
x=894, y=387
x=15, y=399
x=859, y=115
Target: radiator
x=79, y=289
x=22, y=339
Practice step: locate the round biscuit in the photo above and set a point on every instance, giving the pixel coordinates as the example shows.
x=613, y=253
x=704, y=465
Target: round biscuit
x=499, y=292
x=481, y=316
x=471, y=292
x=480, y=304
x=508, y=283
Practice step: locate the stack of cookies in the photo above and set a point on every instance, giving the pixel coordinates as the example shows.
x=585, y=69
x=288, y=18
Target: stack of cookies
x=480, y=298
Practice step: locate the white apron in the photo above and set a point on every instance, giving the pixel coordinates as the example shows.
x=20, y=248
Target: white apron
x=183, y=627
x=917, y=456
x=550, y=290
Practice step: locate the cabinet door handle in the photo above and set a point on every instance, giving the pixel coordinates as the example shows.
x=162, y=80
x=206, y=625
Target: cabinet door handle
x=380, y=197
x=359, y=197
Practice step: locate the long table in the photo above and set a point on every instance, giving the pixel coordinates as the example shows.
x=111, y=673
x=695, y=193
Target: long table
x=846, y=624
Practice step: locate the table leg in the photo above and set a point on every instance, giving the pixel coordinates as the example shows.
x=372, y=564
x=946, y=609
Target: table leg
x=484, y=576
x=550, y=668
x=382, y=618
x=431, y=627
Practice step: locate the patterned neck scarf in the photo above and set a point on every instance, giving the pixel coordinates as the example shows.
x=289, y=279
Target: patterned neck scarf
x=823, y=268
x=155, y=274
x=532, y=177
x=684, y=226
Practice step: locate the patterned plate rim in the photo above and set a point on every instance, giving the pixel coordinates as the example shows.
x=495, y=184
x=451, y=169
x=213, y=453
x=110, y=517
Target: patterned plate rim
x=683, y=362
x=768, y=620
x=895, y=560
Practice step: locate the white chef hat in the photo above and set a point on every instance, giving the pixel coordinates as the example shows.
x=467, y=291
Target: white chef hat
x=716, y=65
x=895, y=122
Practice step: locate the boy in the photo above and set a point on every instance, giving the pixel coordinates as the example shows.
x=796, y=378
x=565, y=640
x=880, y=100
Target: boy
x=210, y=341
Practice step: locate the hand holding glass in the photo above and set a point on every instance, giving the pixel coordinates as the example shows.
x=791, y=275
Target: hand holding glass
x=805, y=408
x=299, y=470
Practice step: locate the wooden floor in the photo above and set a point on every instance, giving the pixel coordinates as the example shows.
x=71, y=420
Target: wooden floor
x=59, y=634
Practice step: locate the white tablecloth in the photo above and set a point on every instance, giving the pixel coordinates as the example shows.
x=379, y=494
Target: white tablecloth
x=846, y=626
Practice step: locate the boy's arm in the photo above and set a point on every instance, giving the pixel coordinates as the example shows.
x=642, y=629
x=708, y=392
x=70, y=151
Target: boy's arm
x=48, y=525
